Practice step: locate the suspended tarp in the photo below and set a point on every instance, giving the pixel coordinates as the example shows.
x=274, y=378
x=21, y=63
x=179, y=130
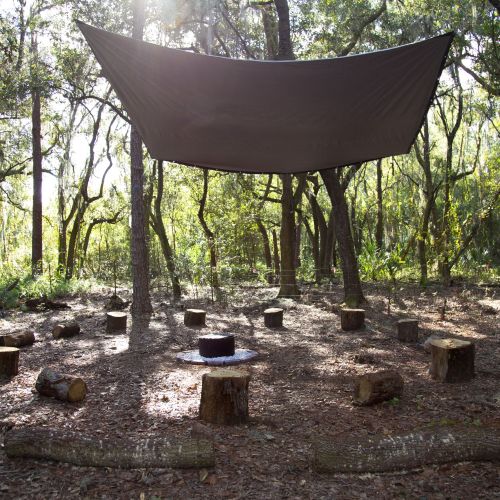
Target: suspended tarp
x=271, y=116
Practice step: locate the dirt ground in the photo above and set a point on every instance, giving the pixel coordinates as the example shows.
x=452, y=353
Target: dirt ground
x=301, y=390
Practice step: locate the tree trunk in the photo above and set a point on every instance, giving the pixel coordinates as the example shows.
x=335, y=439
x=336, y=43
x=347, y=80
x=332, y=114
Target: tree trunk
x=276, y=256
x=407, y=451
x=36, y=140
x=159, y=228
x=141, y=302
x=72, y=447
x=379, y=228
x=353, y=294
x=267, y=250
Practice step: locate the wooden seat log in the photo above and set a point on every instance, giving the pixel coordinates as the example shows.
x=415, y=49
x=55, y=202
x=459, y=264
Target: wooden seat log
x=376, y=387
x=352, y=319
x=215, y=345
x=65, y=330
x=273, y=317
x=407, y=451
x=19, y=339
x=195, y=317
x=116, y=321
x=452, y=360
x=408, y=330
x=224, y=397
x=59, y=386
x=75, y=448
x=9, y=361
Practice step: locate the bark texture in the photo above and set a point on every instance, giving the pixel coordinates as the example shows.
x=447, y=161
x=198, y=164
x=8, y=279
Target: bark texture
x=215, y=345
x=224, y=397
x=66, y=330
x=407, y=451
x=9, y=361
x=408, y=330
x=195, y=317
x=273, y=317
x=19, y=339
x=116, y=321
x=59, y=386
x=373, y=388
x=452, y=360
x=352, y=319
x=72, y=447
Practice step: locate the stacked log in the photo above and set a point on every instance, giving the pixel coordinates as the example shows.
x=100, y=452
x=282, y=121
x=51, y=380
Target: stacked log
x=65, y=330
x=224, y=397
x=72, y=447
x=273, y=317
x=452, y=360
x=195, y=317
x=19, y=339
x=9, y=361
x=376, y=387
x=59, y=386
x=352, y=319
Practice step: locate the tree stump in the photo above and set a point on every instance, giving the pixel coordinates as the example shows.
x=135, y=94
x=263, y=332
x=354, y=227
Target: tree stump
x=19, y=339
x=9, y=361
x=352, y=319
x=64, y=330
x=376, y=387
x=407, y=451
x=63, y=387
x=194, y=317
x=273, y=317
x=408, y=330
x=224, y=397
x=452, y=360
x=75, y=448
x=215, y=345
x=116, y=321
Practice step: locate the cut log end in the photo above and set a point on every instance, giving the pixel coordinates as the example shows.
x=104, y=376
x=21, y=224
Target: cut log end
x=65, y=330
x=352, y=319
x=19, y=339
x=59, y=386
x=273, y=317
x=9, y=361
x=195, y=317
x=373, y=388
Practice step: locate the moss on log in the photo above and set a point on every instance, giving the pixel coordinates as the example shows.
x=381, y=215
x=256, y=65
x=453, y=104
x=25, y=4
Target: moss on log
x=407, y=451
x=74, y=448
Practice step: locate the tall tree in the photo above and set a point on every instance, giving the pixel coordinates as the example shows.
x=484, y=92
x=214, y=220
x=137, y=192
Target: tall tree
x=141, y=302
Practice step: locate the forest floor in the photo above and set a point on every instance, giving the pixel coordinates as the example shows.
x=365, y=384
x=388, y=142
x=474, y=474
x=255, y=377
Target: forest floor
x=301, y=390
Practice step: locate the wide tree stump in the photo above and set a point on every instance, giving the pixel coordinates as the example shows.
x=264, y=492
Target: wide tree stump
x=72, y=447
x=195, y=317
x=273, y=317
x=65, y=330
x=115, y=321
x=224, y=397
x=215, y=345
x=408, y=330
x=9, y=361
x=59, y=386
x=352, y=319
x=19, y=339
x=452, y=360
x=376, y=387
x=407, y=451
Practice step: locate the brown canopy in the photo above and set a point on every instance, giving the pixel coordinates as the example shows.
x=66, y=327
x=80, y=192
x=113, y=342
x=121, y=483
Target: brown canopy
x=271, y=116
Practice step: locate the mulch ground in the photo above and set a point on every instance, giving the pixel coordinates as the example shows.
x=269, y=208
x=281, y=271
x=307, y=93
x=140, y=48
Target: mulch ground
x=301, y=390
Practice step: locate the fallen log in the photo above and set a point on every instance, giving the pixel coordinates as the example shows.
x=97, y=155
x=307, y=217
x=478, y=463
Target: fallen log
x=373, y=388
x=72, y=447
x=43, y=303
x=59, y=386
x=407, y=451
x=19, y=339
x=65, y=330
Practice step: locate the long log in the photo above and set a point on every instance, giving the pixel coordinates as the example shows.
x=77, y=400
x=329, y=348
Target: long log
x=407, y=451
x=19, y=339
x=74, y=448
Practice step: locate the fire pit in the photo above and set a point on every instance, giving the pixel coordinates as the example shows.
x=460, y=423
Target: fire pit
x=216, y=349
